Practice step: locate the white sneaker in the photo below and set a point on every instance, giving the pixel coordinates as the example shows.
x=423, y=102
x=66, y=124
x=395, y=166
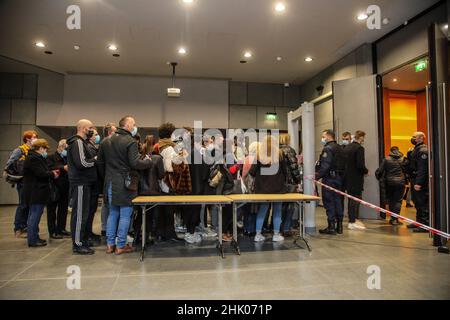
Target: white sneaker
x=360, y=224
x=277, y=237
x=197, y=237
x=208, y=233
x=189, y=238
x=355, y=226
x=259, y=238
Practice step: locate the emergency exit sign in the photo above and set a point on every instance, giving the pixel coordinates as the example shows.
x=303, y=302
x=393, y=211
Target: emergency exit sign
x=421, y=65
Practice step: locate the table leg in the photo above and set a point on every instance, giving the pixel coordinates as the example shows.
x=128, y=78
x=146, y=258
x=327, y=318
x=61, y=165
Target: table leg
x=220, y=244
x=234, y=243
x=301, y=231
x=143, y=233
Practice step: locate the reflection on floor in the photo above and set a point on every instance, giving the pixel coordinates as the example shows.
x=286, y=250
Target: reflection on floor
x=336, y=268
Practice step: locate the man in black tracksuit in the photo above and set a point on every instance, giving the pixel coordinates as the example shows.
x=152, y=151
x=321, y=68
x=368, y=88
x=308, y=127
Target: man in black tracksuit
x=83, y=179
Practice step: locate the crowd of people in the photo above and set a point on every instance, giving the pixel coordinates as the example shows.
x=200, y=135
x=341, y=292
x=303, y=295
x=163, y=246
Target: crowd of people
x=120, y=167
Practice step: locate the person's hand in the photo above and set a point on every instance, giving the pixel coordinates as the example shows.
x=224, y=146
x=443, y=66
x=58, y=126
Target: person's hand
x=417, y=187
x=55, y=173
x=66, y=168
x=184, y=153
x=95, y=158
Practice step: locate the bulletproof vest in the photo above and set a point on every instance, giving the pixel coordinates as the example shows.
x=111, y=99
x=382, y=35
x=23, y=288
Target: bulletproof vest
x=338, y=163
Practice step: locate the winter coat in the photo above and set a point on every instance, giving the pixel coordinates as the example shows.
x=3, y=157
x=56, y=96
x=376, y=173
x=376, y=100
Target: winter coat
x=290, y=157
x=56, y=162
x=149, y=178
x=355, y=167
x=118, y=158
x=392, y=170
x=36, y=180
x=199, y=172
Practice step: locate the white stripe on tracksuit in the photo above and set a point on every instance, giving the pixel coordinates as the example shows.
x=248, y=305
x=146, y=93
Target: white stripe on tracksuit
x=79, y=216
x=83, y=161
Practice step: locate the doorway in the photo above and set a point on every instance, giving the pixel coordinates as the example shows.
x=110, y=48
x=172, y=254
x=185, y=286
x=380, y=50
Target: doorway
x=405, y=104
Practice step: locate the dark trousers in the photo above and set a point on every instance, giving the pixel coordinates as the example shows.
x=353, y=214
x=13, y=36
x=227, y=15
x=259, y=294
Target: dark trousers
x=394, y=195
x=227, y=219
x=353, y=206
x=249, y=218
x=191, y=217
x=422, y=206
x=82, y=204
x=332, y=201
x=34, y=218
x=92, y=210
x=20, y=220
x=287, y=212
x=57, y=213
x=165, y=222
x=150, y=218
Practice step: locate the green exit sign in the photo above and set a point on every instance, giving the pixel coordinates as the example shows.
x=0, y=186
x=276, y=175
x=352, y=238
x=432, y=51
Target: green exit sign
x=420, y=66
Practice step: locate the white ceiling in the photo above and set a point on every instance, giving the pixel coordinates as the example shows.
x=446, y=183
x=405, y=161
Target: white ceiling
x=215, y=32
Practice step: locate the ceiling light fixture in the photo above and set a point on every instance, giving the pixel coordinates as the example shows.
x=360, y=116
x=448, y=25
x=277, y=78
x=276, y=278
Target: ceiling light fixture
x=280, y=7
x=76, y=47
x=308, y=59
x=362, y=16
x=446, y=27
x=40, y=44
x=188, y=1
x=182, y=50
x=279, y=58
x=112, y=47
x=248, y=54
x=394, y=80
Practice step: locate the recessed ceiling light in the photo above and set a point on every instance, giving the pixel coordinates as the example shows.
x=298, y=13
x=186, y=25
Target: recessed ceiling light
x=308, y=59
x=394, y=80
x=40, y=44
x=446, y=27
x=248, y=54
x=188, y=1
x=280, y=7
x=362, y=16
x=76, y=47
x=279, y=58
x=182, y=50
x=112, y=47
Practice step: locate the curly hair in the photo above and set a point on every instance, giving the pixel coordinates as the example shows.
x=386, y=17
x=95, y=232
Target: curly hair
x=165, y=130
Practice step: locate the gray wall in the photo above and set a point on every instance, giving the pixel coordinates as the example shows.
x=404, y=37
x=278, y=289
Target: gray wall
x=249, y=103
x=105, y=98
x=408, y=43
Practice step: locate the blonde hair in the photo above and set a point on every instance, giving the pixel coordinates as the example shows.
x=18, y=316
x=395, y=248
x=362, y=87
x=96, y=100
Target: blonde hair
x=268, y=150
x=285, y=139
x=40, y=143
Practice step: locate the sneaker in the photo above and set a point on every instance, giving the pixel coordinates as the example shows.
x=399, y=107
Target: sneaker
x=352, y=226
x=197, y=237
x=209, y=233
x=277, y=237
x=21, y=234
x=259, y=238
x=360, y=224
x=189, y=238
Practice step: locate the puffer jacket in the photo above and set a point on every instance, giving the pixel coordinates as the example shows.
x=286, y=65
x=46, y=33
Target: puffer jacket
x=392, y=170
x=290, y=157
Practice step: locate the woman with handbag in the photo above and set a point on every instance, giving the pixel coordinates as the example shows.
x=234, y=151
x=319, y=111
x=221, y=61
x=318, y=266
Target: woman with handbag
x=37, y=189
x=270, y=177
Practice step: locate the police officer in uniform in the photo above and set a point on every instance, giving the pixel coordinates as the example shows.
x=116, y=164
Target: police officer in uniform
x=419, y=180
x=329, y=169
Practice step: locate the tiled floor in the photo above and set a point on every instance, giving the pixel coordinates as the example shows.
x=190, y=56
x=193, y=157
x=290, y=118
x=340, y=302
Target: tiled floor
x=336, y=268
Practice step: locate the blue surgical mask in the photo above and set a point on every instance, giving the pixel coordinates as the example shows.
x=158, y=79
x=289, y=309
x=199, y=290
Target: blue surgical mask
x=63, y=153
x=345, y=142
x=323, y=141
x=44, y=155
x=97, y=139
x=134, y=132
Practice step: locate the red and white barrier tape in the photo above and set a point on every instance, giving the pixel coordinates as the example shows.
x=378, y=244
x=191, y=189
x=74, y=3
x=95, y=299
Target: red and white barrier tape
x=378, y=209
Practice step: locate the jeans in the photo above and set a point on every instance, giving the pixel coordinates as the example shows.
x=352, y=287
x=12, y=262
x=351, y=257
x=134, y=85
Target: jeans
x=214, y=211
x=276, y=212
x=118, y=222
x=34, y=218
x=20, y=220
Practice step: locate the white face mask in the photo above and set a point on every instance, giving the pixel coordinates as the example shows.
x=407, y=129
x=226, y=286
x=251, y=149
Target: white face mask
x=345, y=142
x=324, y=141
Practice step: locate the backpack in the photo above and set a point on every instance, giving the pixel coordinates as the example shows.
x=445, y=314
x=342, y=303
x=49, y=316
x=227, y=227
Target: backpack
x=13, y=173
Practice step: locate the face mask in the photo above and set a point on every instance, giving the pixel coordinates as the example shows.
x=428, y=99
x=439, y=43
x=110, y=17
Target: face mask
x=134, y=132
x=97, y=139
x=413, y=141
x=44, y=155
x=323, y=141
x=345, y=142
x=63, y=153
x=89, y=134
